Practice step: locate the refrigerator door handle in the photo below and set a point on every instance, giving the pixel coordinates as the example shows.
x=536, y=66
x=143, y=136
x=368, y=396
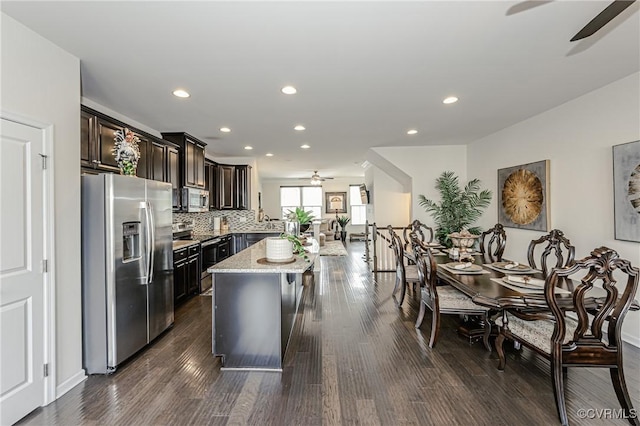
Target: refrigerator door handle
x=151, y=238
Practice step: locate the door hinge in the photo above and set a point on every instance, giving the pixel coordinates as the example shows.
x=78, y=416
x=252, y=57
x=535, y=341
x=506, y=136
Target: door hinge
x=45, y=265
x=44, y=160
x=46, y=370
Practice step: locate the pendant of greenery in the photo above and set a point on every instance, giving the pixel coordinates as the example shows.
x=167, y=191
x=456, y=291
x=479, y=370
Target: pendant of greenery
x=458, y=208
x=298, y=248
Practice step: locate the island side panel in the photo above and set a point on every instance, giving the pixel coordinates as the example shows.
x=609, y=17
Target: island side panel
x=289, y=283
x=247, y=320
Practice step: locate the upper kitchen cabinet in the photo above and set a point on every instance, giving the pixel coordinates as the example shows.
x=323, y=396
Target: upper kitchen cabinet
x=226, y=186
x=243, y=187
x=234, y=186
x=191, y=158
x=97, y=139
x=211, y=183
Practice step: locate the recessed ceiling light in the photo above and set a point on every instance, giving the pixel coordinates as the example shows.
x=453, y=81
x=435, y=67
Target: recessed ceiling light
x=268, y=154
x=225, y=129
x=248, y=147
x=450, y=100
x=299, y=127
x=289, y=90
x=305, y=146
x=181, y=93
x=412, y=132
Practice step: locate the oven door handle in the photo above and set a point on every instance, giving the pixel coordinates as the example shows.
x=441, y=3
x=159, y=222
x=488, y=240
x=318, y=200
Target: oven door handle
x=210, y=242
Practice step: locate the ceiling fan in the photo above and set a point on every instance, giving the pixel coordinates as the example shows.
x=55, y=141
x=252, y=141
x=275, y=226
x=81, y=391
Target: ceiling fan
x=316, y=179
x=603, y=18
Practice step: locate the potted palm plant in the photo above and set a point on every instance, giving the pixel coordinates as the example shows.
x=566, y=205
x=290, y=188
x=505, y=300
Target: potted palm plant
x=458, y=208
x=343, y=221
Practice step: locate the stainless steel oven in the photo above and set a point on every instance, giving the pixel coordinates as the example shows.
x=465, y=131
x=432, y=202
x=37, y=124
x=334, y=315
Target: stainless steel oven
x=195, y=200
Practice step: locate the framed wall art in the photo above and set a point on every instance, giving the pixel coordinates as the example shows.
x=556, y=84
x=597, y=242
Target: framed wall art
x=523, y=196
x=626, y=191
x=335, y=202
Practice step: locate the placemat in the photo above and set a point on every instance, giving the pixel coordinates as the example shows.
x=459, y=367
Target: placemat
x=464, y=272
x=526, y=290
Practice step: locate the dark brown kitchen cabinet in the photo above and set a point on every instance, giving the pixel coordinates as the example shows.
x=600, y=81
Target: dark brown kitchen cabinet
x=157, y=161
x=234, y=187
x=211, y=183
x=243, y=187
x=180, y=275
x=191, y=158
x=186, y=273
x=173, y=174
x=97, y=141
x=144, y=145
x=226, y=186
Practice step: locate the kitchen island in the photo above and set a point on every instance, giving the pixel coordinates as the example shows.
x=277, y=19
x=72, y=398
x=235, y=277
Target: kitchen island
x=255, y=304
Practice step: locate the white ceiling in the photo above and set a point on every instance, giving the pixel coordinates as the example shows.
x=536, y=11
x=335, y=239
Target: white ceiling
x=366, y=72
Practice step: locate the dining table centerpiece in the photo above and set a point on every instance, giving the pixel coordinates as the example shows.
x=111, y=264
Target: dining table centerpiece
x=126, y=151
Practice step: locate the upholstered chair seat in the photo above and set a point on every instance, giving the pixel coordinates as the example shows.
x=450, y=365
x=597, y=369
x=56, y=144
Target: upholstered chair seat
x=452, y=299
x=537, y=333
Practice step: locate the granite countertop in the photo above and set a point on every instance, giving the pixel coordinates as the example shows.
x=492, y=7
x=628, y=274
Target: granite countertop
x=179, y=244
x=247, y=261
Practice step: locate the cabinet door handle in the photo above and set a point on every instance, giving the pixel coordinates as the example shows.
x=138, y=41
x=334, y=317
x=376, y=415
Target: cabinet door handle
x=96, y=162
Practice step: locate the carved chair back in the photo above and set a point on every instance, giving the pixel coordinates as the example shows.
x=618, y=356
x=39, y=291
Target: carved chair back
x=557, y=245
x=493, y=242
x=424, y=232
x=398, y=250
x=427, y=274
x=603, y=269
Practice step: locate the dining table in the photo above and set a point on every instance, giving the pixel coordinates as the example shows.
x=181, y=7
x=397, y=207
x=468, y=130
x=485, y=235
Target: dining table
x=503, y=286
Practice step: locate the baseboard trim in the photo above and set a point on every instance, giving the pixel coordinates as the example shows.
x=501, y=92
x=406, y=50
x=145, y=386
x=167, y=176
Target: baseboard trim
x=632, y=340
x=70, y=383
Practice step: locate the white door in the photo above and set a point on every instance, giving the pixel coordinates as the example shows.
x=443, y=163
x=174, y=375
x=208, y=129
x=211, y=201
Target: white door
x=21, y=271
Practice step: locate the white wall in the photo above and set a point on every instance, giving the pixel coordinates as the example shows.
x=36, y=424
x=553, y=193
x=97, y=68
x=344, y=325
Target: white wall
x=424, y=164
x=42, y=82
x=389, y=204
x=271, y=195
x=577, y=138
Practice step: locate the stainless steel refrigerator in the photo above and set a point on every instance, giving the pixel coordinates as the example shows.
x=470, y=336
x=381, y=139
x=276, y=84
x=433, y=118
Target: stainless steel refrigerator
x=127, y=267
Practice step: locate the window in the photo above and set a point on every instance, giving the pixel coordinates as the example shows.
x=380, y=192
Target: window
x=358, y=210
x=305, y=197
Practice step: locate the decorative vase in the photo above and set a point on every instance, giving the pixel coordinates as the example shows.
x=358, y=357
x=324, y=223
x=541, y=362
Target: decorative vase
x=292, y=227
x=343, y=236
x=279, y=249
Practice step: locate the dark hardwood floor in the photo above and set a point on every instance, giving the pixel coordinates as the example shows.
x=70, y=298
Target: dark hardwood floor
x=354, y=359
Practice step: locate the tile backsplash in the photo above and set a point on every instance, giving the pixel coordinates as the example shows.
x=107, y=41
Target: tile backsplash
x=239, y=220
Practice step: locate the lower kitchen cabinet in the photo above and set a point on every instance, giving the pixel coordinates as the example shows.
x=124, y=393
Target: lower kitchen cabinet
x=186, y=273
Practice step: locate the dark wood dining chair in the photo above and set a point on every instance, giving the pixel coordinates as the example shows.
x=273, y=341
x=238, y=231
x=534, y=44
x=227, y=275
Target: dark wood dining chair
x=580, y=342
x=405, y=274
x=424, y=232
x=554, y=245
x=442, y=299
x=492, y=243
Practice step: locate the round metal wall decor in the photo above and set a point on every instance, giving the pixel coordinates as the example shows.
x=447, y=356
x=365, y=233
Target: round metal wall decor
x=522, y=196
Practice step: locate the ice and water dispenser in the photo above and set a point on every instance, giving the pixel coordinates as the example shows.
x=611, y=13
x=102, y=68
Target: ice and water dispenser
x=130, y=241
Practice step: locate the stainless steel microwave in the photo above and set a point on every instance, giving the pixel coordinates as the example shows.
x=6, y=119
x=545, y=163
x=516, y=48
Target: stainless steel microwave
x=195, y=200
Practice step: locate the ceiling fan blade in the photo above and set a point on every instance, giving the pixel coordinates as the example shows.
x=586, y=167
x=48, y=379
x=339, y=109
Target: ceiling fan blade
x=603, y=18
